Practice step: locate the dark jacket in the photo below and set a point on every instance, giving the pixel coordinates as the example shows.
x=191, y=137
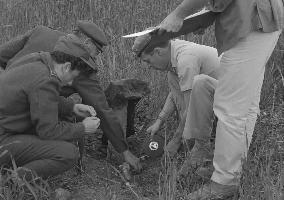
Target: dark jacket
x=30, y=101
x=43, y=39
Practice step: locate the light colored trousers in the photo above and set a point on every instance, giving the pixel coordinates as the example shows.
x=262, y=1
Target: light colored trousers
x=235, y=103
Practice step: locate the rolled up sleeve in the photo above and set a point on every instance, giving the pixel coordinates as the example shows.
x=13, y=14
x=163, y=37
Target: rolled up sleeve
x=188, y=67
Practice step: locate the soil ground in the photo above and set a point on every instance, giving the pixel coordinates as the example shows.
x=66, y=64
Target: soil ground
x=101, y=181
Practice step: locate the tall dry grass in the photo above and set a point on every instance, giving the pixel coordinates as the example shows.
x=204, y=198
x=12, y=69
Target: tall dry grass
x=116, y=18
x=119, y=17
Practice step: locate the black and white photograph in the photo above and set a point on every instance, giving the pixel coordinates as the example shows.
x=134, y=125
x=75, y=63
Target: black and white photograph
x=141, y=100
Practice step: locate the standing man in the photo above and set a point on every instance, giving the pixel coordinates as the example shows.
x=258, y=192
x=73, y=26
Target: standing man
x=43, y=39
x=184, y=61
x=30, y=107
x=246, y=34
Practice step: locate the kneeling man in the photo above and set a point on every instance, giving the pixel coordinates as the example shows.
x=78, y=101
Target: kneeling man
x=30, y=109
x=183, y=60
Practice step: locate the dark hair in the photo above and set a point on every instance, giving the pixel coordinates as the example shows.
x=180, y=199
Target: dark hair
x=162, y=44
x=76, y=63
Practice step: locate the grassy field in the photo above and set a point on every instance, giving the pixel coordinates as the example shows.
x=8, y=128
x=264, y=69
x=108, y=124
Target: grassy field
x=263, y=171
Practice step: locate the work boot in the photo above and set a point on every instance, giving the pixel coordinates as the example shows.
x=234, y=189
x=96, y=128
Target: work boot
x=205, y=172
x=213, y=191
x=199, y=155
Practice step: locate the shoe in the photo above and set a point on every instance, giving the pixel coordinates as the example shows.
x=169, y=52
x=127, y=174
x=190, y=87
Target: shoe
x=205, y=172
x=213, y=191
x=200, y=154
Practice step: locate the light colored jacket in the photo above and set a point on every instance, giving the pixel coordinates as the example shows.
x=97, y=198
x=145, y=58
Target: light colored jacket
x=238, y=18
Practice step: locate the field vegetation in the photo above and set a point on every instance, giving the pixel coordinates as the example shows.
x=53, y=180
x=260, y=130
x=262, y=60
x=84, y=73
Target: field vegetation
x=263, y=176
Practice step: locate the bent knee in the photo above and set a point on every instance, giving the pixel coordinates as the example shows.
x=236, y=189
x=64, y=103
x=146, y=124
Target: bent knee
x=203, y=82
x=68, y=153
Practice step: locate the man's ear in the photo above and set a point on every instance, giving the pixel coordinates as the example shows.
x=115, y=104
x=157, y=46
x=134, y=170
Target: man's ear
x=67, y=66
x=159, y=51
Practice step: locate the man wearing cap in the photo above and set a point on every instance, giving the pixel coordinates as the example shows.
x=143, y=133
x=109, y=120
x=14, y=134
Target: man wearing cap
x=185, y=62
x=30, y=107
x=43, y=39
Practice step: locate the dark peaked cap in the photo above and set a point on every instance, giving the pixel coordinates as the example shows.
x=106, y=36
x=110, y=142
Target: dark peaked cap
x=91, y=30
x=71, y=45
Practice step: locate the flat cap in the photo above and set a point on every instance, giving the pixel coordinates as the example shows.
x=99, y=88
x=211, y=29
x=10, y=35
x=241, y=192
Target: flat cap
x=153, y=147
x=140, y=44
x=148, y=41
x=92, y=31
x=71, y=45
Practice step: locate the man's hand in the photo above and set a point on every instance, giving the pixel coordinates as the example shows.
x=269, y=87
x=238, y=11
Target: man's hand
x=153, y=129
x=132, y=160
x=76, y=98
x=91, y=124
x=84, y=110
x=172, y=147
x=172, y=23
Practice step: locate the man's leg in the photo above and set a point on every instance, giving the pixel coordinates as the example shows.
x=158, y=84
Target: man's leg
x=236, y=102
x=45, y=157
x=200, y=116
x=199, y=122
x=236, y=106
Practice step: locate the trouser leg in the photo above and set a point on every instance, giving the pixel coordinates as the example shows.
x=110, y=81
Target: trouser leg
x=45, y=157
x=200, y=116
x=199, y=122
x=236, y=102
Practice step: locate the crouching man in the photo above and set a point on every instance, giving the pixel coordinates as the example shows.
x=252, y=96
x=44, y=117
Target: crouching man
x=183, y=61
x=30, y=109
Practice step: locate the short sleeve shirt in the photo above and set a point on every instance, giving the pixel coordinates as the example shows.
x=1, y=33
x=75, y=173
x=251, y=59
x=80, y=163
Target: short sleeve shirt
x=190, y=59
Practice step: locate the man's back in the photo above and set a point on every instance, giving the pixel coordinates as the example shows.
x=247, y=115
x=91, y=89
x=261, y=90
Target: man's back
x=207, y=60
x=40, y=38
x=16, y=85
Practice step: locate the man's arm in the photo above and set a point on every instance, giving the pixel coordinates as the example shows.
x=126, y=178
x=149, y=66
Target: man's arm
x=173, y=146
x=188, y=67
x=168, y=108
x=174, y=21
x=92, y=94
x=179, y=130
x=44, y=101
x=9, y=49
x=188, y=7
